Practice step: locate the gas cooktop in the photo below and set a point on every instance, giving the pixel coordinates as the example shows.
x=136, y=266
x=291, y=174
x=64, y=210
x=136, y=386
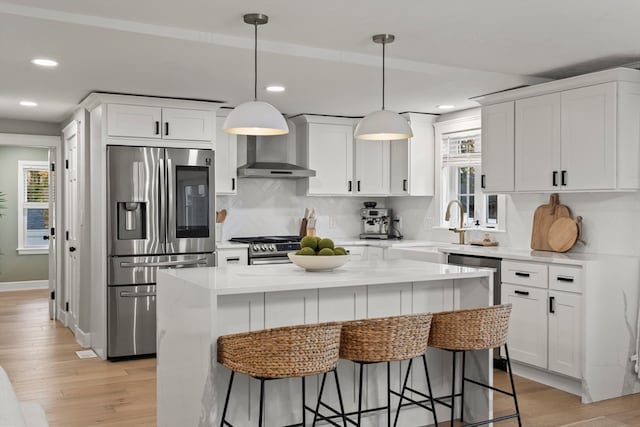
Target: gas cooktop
x=266, y=239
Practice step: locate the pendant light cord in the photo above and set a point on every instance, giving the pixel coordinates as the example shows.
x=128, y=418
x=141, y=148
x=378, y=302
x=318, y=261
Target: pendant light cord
x=383, y=43
x=255, y=62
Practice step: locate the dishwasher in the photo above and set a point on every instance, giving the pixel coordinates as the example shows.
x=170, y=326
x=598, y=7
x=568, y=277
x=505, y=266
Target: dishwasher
x=485, y=262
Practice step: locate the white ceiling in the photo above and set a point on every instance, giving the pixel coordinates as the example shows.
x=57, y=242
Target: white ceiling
x=446, y=51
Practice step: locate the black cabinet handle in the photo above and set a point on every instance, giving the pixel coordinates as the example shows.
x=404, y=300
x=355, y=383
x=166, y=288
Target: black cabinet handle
x=563, y=177
x=521, y=292
x=564, y=279
x=404, y=185
x=233, y=183
x=349, y=186
x=45, y=237
x=72, y=249
x=166, y=128
x=555, y=178
x=483, y=180
x=157, y=127
x=520, y=274
x=552, y=308
x=358, y=186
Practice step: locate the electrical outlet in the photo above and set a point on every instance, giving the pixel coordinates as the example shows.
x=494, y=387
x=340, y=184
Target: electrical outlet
x=398, y=222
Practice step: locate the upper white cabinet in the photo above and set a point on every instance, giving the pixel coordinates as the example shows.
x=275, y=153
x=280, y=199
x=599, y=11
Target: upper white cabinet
x=498, y=147
x=226, y=160
x=325, y=144
x=413, y=160
x=372, y=170
x=134, y=121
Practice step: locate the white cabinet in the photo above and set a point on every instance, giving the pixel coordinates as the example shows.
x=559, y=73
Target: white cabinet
x=226, y=160
x=325, y=144
x=134, y=121
x=545, y=329
x=498, y=147
x=413, y=160
x=372, y=169
x=357, y=253
x=229, y=257
x=537, y=149
x=375, y=253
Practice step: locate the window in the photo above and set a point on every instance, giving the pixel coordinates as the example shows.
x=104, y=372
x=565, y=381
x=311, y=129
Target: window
x=33, y=206
x=460, y=176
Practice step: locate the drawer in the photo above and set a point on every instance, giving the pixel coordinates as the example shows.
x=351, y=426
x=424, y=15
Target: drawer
x=565, y=278
x=524, y=273
x=228, y=257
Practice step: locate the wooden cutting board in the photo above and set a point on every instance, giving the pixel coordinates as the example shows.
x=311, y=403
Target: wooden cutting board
x=543, y=217
x=563, y=234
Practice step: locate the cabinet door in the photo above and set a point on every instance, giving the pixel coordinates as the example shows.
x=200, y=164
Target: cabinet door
x=399, y=161
x=133, y=121
x=193, y=125
x=226, y=160
x=498, y=147
x=588, y=155
x=565, y=333
x=331, y=156
x=528, y=324
x=537, y=149
x=372, y=167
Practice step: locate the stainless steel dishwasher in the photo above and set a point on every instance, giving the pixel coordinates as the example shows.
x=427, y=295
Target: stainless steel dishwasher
x=494, y=264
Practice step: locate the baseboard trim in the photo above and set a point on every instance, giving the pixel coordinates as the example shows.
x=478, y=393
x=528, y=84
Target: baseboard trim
x=82, y=338
x=25, y=285
x=561, y=382
x=63, y=317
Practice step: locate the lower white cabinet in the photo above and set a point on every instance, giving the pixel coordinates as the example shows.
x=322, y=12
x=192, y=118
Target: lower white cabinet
x=228, y=257
x=565, y=333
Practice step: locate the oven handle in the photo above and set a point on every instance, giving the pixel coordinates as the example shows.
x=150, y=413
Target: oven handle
x=164, y=263
x=264, y=261
x=127, y=294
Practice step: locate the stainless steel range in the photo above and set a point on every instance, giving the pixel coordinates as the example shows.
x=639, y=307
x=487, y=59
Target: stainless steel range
x=269, y=249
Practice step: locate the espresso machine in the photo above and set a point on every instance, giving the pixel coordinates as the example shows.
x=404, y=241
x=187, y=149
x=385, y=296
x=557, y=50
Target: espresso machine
x=376, y=223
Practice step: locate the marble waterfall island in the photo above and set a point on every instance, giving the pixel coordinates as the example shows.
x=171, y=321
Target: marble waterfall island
x=195, y=306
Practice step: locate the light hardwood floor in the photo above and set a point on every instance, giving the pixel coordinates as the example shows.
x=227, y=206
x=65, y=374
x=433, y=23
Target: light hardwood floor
x=39, y=357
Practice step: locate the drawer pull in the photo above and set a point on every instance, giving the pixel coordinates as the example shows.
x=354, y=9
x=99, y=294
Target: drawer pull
x=521, y=292
x=564, y=279
x=521, y=274
x=233, y=259
x=552, y=308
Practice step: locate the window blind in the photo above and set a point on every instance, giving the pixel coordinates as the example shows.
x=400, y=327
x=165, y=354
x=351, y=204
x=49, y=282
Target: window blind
x=36, y=185
x=461, y=150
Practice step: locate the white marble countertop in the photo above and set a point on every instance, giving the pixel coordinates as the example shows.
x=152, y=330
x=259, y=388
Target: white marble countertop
x=288, y=277
x=231, y=245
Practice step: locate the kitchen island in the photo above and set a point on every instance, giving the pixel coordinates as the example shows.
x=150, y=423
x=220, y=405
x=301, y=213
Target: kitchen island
x=195, y=306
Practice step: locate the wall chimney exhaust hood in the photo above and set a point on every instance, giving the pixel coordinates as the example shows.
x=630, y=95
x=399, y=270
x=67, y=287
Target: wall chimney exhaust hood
x=255, y=169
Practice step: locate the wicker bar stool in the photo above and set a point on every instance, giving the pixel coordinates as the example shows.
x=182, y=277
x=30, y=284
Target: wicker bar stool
x=460, y=331
x=286, y=352
x=387, y=339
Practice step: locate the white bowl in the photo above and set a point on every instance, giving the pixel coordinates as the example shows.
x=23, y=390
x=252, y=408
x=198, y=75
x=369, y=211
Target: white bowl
x=318, y=262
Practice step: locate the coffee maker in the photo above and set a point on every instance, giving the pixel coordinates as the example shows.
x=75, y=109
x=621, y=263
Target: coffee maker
x=376, y=223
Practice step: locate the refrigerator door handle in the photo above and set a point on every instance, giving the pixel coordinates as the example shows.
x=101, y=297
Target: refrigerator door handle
x=170, y=203
x=164, y=263
x=162, y=194
x=126, y=294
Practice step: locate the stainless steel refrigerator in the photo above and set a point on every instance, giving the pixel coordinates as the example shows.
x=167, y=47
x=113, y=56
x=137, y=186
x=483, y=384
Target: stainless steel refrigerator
x=160, y=202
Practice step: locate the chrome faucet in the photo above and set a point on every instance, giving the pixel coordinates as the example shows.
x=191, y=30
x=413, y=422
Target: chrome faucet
x=447, y=216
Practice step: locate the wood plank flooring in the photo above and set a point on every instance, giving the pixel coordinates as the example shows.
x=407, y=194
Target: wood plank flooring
x=39, y=357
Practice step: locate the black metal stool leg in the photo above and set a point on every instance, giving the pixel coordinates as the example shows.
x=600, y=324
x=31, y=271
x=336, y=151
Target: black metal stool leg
x=513, y=388
x=388, y=393
x=261, y=402
x=453, y=388
x=464, y=358
x=304, y=404
x=344, y=417
x=315, y=414
x=404, y=389
x=226, y=400
x=360, y=395
x=433, y=402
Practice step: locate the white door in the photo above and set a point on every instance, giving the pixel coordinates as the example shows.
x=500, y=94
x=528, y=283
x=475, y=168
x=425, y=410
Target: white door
x=372, y=168
x=537, y=150
x=52, y=237
x=565, y=333
x=226, y=160
x=498, y=147
x=589, y=137
x=71, y=231
x=528, y=324
x=193, y=125
x=331, y=156
x=133, y=121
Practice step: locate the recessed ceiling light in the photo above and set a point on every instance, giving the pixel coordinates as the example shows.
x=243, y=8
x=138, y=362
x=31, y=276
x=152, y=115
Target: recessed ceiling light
x=28, y=104
x=446, y=107
x=275, y=88
x=43, y=62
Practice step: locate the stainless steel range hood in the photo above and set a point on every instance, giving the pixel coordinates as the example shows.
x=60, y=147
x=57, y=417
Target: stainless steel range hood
x=255, y=169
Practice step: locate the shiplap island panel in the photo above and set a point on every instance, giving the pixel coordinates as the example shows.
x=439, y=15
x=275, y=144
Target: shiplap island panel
x=195, y=306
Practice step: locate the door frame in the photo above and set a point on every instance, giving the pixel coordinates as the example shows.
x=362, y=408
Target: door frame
x=55, y=142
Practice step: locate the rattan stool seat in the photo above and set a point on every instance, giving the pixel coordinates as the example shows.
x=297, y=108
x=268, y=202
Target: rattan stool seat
x=385, y=339
x=286, y=352
x=471, y=329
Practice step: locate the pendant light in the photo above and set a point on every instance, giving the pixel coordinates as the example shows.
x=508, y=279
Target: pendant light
x=383, y=125
x=255, y=117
